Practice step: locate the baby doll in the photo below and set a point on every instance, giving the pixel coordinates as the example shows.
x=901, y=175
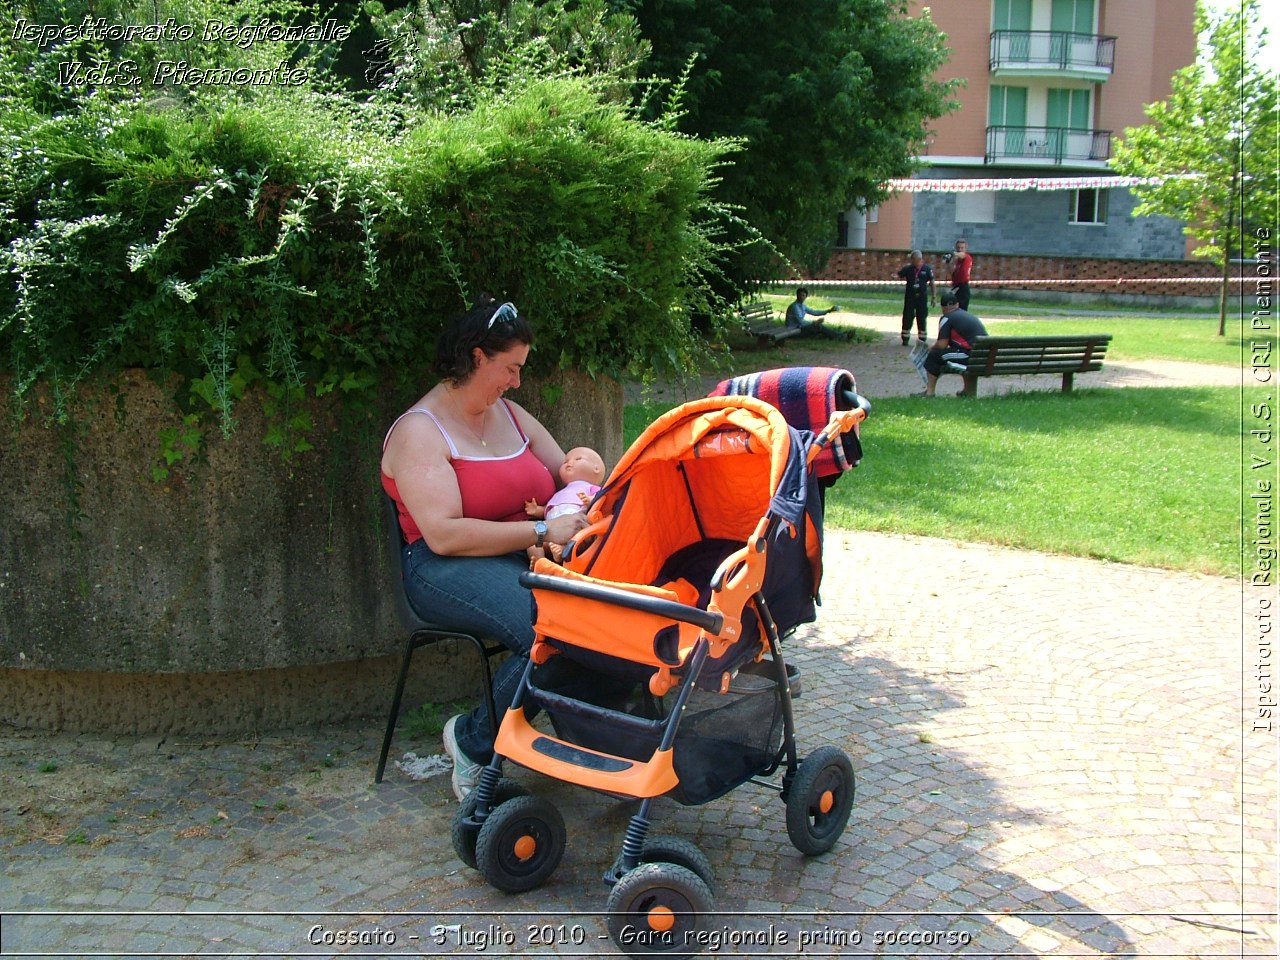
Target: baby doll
x=581, y=473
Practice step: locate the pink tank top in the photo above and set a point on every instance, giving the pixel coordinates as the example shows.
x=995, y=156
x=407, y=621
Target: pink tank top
x=492, y=488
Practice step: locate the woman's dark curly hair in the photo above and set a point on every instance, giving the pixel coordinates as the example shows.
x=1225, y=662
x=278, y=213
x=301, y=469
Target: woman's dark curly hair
x=465, y=332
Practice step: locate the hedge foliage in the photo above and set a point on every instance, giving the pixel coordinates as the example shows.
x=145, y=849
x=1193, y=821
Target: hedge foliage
x=311, y=239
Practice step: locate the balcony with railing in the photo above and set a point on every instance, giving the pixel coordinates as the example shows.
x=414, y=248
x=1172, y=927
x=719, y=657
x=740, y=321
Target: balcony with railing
x=1052, y=53
x=1043, y=145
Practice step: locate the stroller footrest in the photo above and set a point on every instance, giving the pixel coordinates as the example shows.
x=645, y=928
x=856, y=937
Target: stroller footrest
x=520, y=742
x=588, y=759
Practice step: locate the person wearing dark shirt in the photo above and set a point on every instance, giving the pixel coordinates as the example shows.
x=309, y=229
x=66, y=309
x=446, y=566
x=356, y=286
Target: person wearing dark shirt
x=918, y=296
x=798, y=311
x=957, y=330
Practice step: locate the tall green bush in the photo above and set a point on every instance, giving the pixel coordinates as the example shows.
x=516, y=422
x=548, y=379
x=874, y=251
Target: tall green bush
x=308, y=239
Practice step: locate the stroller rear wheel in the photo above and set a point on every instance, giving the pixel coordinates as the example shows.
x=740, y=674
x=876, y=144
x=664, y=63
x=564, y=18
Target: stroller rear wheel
x=464, y=835
x=819, y=800
x=658, y=908
x=520, y=844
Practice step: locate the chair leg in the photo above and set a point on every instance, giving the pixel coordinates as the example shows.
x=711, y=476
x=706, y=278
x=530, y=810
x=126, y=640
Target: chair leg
x=485, y=654
x=415, y=641
x=395, y=707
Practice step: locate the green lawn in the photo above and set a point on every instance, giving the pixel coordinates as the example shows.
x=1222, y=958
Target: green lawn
x=1135, y=476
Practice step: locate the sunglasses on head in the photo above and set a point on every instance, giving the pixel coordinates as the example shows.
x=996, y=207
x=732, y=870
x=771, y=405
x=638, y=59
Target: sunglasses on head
x=506, y=312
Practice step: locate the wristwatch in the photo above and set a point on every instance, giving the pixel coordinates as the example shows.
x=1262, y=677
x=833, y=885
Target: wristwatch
x=539, y=532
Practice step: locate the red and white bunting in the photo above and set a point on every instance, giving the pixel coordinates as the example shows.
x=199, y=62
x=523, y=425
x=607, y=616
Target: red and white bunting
x=972, y=185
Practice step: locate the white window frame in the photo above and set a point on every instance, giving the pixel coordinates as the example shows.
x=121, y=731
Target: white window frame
x=1101, y=205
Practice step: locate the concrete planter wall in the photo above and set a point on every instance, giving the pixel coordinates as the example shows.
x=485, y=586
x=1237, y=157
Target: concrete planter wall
x=245, y=594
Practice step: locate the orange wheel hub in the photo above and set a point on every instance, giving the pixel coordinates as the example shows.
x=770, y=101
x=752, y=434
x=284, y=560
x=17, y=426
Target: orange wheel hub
x=661, y=919
x=525, y=847
x=826, y=801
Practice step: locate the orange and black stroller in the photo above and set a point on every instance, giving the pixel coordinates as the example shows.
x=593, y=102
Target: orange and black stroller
x=703, y=549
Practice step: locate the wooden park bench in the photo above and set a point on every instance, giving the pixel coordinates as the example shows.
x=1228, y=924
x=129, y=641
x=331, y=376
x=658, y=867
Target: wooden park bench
x=1065, y=355
x=759, y=319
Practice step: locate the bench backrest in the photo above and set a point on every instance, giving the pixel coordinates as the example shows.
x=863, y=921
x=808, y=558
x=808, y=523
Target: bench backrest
x=1081, y=353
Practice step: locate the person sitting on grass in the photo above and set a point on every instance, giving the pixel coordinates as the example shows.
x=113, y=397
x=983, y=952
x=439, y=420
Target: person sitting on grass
x=799, y=310
x=957, y=329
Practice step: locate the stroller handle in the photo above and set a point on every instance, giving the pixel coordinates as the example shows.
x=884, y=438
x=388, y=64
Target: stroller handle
x=841, y=422
x=669, y=609
x=856, y=401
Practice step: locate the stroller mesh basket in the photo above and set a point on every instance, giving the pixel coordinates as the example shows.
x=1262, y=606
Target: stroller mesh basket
x=726, y=739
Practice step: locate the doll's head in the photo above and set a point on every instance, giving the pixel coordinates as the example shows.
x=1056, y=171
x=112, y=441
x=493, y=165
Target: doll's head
x=582, y=463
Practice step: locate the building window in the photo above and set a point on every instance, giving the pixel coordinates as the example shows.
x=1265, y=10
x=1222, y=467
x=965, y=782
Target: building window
x=976, y=207
x=1088, y=206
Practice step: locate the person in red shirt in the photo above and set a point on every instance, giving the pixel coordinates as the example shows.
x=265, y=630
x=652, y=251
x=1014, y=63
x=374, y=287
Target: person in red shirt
x=961, y=273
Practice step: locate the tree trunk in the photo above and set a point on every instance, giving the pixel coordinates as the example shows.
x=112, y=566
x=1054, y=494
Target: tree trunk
x=1226, y=261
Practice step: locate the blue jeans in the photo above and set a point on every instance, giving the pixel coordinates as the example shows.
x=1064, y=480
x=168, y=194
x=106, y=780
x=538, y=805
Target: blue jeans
x=483, y=595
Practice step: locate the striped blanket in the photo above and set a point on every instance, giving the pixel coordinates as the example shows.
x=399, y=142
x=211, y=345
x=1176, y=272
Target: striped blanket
x=806, y=397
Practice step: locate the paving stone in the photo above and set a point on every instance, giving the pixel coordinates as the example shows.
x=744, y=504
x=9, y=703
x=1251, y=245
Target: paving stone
x=1053, y=779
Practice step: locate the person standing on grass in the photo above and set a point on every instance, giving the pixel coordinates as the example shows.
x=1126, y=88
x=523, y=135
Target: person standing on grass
x=918, y=297
x=957, y=330
x=798, y=311
x=961, y=273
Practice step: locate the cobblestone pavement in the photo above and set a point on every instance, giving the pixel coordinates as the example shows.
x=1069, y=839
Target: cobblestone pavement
x=1058, y=764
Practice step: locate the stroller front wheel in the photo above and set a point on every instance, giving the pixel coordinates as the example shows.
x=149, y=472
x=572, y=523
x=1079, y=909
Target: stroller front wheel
x=464, y=834
x=819, y=800
x=520, y=844
x=681, y=853
x=657, y=908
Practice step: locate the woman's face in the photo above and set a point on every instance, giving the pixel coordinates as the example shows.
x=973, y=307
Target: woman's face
x=494, y=376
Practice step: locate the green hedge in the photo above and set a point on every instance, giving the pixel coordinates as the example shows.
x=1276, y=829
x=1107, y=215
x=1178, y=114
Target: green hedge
x=312, y=240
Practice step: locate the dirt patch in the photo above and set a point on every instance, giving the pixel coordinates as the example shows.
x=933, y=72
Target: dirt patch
x=79, y=789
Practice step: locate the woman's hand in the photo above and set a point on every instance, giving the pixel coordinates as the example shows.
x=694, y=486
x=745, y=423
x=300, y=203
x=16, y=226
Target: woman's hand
x=562, y=529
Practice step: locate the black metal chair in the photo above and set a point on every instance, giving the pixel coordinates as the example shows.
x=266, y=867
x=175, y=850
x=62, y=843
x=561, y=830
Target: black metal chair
x=421, y=634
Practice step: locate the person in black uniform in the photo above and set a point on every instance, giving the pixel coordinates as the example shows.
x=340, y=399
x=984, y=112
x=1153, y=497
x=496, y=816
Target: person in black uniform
x=918, y=297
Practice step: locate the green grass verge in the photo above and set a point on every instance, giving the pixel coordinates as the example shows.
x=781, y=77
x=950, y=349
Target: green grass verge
x=1134, y=476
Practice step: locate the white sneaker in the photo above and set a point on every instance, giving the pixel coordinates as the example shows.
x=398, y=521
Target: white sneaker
x=466, y=772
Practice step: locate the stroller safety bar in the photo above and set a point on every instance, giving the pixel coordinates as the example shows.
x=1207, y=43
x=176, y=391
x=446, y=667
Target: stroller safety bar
x=670, y=609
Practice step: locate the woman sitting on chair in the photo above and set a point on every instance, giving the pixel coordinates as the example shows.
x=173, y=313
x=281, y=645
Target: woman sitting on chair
x=460, y=465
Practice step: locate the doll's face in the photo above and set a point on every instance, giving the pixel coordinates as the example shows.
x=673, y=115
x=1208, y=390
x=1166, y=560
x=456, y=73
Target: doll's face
x=582, y=463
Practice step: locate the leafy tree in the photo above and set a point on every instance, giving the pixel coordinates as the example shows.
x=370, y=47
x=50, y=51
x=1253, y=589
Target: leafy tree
x=831, y=99
x=443, y=53
x=1210, y=148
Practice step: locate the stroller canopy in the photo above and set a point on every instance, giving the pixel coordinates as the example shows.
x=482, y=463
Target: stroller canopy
x=705, y=472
